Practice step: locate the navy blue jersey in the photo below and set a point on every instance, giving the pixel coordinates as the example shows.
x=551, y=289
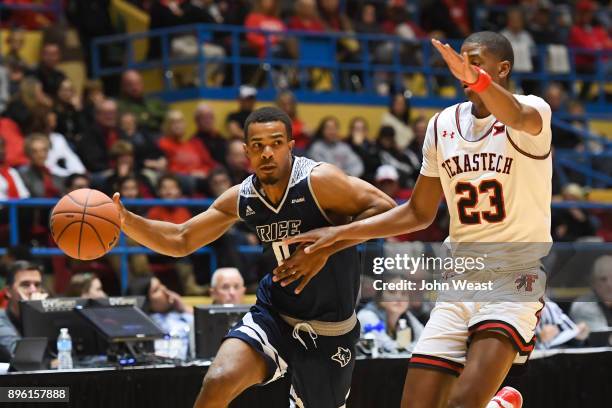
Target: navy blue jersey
x=332, y=294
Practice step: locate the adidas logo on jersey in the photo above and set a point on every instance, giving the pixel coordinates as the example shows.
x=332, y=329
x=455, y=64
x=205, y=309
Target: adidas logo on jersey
x=298, y=200
x=249, y=210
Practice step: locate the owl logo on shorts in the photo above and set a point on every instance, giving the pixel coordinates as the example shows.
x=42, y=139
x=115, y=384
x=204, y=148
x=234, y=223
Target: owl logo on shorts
x=526, y=282
x=342, y=356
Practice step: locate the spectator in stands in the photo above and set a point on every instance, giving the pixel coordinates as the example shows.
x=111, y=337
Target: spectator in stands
x=398, y=117
x=387, y=181
x=574, y=223
x=556, y=329
x=16, y=72
x=328, y=147
x=288, y=103
x=15, y=42
x=97, y=139
x=419, y=129
x=542, y=27
x=265, y=16
x=306, y=17
x=123, y=165
x=522, y=44
x=37, y=177
x=24, y=282
x=206, y=131
x=359, y=140
x=146, y=152
x=92, y=96
x=47, y=72
x=247, y=97
x=185, y=156
x=11, y=184
x=76, y=182
x=236, y=161
x=85, y=285
x=150, y=112
x=67, y=108
x=227, y=287
x=595, y=308
x=388, y=308
x=26, y=101
x=451, y=17
x=586, y=33
x=557, y=98
x=12, y=254
x=169, y=188
x=406, y=163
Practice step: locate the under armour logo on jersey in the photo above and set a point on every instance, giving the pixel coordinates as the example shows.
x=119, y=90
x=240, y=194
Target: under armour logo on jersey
x=298, y=200
x=526, y=281
x=249, y=210
x=445, y=133
x=497, y=129
x=342, y=356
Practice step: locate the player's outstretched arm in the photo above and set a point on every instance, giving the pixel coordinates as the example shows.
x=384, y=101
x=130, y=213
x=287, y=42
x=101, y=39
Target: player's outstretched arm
x=180, y=240
x=416, y=214
x=501, y=103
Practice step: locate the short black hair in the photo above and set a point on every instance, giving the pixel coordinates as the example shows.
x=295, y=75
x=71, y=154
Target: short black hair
x=266, y=115
x=169, y=176
x=72, y=177
x=19, y=266
x=495, y=43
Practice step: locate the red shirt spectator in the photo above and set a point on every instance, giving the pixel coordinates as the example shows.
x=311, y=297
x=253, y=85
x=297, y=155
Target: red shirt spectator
x=584, y=35
x=306, y=17
x=169, y=189
x=265, y=17
x=14, y=144
x=184, y=156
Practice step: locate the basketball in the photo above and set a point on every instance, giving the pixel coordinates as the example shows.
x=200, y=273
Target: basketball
x=85, y=224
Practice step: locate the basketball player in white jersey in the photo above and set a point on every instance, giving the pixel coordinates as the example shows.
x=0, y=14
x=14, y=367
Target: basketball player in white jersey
x=490, y=157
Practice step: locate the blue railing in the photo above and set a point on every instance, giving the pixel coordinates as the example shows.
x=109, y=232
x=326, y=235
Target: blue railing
x=124, y=251
x=319, y=50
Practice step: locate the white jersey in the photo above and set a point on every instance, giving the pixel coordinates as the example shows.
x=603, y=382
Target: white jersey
x=496, y=180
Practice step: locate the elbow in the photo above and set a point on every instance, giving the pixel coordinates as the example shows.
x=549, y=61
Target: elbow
x=181, y=246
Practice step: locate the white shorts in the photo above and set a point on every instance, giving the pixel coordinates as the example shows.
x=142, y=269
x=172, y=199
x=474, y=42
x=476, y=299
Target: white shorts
x=444, y=342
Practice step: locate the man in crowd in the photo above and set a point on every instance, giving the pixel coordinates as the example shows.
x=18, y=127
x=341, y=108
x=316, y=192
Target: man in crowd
x=227, y=287
x=204, y=118
x=246, y=103
x=150, y=112
x=95, y=143
x=236, y=161
x=47, y=72
x=595, y=308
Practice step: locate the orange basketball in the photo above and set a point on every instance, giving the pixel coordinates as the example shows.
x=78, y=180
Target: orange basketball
x=85, y=224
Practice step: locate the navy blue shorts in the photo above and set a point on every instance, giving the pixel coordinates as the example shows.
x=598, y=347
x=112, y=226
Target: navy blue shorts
x=320, y=368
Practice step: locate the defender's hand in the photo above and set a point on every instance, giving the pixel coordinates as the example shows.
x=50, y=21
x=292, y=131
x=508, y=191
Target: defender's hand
x=319, y=238
x=458, y=64
x=122, y=211
x=300, y=266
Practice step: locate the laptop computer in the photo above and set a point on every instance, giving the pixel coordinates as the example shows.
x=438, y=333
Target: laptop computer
x=29, y=354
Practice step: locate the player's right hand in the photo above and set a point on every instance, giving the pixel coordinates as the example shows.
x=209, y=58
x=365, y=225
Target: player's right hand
x=120, y=207
x=318, y=238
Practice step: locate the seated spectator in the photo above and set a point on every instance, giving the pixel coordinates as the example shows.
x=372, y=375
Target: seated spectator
x=76, y=182
x=99, y=136
x=14, y=144
x=123, y=165
x=301, y=134
x=451, y=17
x=11, y=184
x=150, y=112
x=67, y=108
x=419, y=129
x=387, y=181
x=92, y=96
x=542, y=27
x=555, y=329
x=206, y=131
x=27, y=100
x=227, y=287
x=47, y=72
x=398, y=117
x=85, y=285
x=265, y=16
x=557, y=98
x=24, y=282
x=169, y=188
x=595, y=308
x=327, y=147
x=247, y=97
x=167, y=309
x=15, y=42
x=306, y=17
x=16, y=73
x=406, y=163
x=571, y=224
x=237, y=162
x=147, y=154
x=359, y=140
x=388, y=308
x=187, y=157
x=586, y=33
x=37, y=176
x=12, y=254
x=523, y=46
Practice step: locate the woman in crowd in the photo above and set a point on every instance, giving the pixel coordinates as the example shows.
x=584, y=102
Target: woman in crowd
x=85, y=285
x=359, y=140
x=398, y=117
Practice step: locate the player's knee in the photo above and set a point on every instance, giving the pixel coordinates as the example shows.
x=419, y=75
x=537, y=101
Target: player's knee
x=464, y=401
x=219, y=382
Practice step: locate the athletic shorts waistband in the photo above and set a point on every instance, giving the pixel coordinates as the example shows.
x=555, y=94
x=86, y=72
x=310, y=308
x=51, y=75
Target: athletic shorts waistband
x=324, y=328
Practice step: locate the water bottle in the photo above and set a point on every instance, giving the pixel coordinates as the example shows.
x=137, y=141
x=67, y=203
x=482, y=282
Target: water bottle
x=64, y=350
x=404, y=335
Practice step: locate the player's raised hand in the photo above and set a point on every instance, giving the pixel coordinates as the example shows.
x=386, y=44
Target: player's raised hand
x=458, y=64
x=300, y=266
x=120, y=207
x=318, y=238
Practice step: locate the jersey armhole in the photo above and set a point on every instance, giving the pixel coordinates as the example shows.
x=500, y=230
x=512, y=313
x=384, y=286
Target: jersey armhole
x=314, y=196
x=436, y=131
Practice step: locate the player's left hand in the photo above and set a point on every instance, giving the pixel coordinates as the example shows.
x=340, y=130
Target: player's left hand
x=458, y=64
x=300, y=266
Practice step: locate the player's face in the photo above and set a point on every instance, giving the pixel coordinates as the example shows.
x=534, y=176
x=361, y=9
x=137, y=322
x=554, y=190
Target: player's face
x=479, y=55
x=269, y=151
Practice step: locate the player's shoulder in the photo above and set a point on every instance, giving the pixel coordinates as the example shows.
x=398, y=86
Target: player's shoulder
x=532, y=100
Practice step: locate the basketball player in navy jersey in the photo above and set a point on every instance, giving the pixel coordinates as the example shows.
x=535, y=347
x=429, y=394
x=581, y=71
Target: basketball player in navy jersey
x=308, y=331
